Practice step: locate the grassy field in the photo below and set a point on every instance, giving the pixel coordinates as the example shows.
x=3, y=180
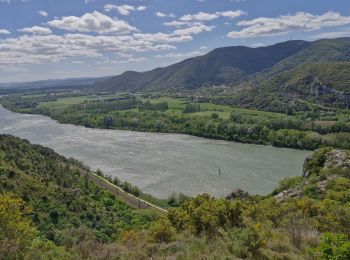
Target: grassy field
x=64, y=102
x=207, y=109
x=176, y=105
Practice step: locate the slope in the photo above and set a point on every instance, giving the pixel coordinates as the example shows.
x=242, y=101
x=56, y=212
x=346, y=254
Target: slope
x=227, y=65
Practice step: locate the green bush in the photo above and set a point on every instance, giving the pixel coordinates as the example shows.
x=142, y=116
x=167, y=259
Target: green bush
x=162, y=231
x=334, y=247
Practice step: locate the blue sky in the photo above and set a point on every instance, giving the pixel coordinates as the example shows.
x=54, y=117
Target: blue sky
x=49, y=39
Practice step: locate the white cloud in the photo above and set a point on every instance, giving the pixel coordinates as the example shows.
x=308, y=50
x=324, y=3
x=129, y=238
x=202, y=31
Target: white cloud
x=195, y=29
x=232, y=14
x=160, y=14
x=301, y=21
x=92, y=22
x=124, y=9
x=202, y=16
x=43, y=13
x=40, y=49
x=176, y=23
x=4, y=31
x=36, y=30
x=93, y=35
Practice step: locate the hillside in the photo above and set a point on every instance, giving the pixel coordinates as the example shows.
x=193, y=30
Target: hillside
x=282, y=74
x=227, y=65
x=64, y=206
x=318, y=74
x=48, y=211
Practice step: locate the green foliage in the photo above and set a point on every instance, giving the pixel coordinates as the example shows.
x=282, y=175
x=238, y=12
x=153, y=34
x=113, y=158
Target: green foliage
x=162, y=231
x=314, y=164
x=172, y=116
x=245, y=242
x=57, y=214
x=162, y=106
x=204, y=214
x=192, y=108
x=334, y=247
x=288, y=183
x=59, y=194
x=16, y=231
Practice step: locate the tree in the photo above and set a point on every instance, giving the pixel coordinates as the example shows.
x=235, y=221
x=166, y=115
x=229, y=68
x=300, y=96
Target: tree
x=16, y=231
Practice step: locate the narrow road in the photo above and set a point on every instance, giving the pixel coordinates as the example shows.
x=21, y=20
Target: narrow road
x=130, y=199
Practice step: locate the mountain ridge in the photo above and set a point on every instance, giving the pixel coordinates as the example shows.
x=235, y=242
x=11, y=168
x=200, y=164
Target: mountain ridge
x=224, y=65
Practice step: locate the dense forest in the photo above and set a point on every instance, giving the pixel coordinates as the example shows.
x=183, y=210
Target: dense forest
x=48, y=210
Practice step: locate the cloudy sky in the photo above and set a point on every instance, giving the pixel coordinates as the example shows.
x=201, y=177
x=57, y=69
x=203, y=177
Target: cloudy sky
x=49, y=39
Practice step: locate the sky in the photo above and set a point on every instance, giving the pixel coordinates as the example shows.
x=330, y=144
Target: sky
x=54, y=39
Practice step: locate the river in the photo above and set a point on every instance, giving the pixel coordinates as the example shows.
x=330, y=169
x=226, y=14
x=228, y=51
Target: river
x=162, y=164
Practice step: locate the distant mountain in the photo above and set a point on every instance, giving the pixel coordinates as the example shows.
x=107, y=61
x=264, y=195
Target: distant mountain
x=319, y=74
x=228, y=65
x=270, y=78
x=52, y=83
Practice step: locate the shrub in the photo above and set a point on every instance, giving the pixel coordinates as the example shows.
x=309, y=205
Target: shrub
x=334, y=247
x=207, y=215
x=215, y=115
x=162, y=231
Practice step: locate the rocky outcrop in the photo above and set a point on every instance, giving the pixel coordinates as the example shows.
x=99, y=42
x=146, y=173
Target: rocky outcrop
x=291, y=193
x=306, y=162
x=237, y=194
x=321, y=159
x=337, y=158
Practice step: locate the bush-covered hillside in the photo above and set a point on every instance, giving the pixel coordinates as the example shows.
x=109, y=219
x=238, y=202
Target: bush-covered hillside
x=56, y=203
x=48, y=211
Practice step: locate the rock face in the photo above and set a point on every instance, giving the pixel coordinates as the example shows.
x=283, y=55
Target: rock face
x=337, y=158
x=291, y=193
x=307, y=160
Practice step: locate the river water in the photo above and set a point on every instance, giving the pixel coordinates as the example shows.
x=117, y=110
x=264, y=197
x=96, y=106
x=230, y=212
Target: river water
x=162, y=164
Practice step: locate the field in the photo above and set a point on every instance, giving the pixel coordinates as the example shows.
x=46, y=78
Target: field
x=176, y=105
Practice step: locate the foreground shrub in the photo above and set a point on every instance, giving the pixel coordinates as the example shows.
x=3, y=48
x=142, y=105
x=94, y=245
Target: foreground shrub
x=334, y=247
x=162, y=231
x=204, y=214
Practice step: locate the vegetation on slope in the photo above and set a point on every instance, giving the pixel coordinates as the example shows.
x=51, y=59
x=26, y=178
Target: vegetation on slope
x=61, y=204
x=313, y=224
x=43, y=216
x=272, y=78
x=221, y=66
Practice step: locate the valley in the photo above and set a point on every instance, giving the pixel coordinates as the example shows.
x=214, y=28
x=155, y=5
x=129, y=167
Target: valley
x=240, y=153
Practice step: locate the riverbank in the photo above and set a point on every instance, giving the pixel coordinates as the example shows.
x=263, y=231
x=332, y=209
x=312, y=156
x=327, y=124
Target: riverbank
x=162, y=164
x=305, y=130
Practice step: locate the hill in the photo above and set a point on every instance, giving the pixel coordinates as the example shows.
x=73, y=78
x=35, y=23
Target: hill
x=228, y=65
x=64, y=207
x=280, y=74
x=49, y=211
